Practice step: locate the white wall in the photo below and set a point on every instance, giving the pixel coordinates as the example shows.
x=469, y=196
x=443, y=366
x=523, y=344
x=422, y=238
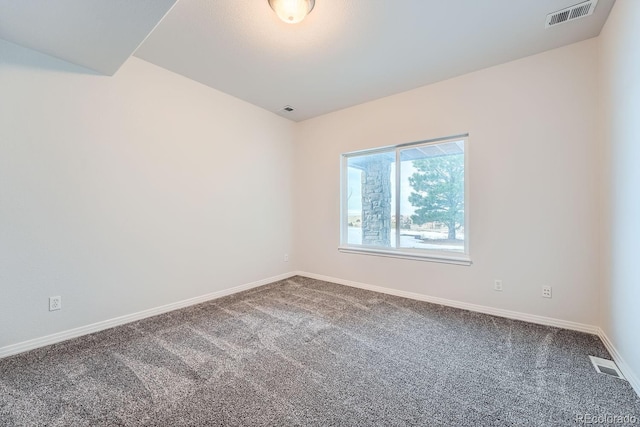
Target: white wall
x=620, y=58
x=129, y=192
x=534, y=207
x=115, y=192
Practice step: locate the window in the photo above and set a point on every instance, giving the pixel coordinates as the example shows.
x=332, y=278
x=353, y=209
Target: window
x=407, y=201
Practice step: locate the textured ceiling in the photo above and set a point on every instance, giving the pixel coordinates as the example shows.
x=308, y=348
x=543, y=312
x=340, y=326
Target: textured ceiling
x=96, y=34
x=350, y=51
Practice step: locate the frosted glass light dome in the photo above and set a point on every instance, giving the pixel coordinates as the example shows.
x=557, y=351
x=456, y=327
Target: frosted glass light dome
x=292, y=11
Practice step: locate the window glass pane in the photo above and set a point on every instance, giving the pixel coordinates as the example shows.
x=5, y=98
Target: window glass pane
x=432, y=197
x=370, y=194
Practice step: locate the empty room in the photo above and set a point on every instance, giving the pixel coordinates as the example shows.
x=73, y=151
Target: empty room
x=319, y=212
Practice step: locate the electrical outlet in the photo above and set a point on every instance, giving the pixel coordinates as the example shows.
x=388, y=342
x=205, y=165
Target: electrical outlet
x=546, y=291
x=497, y=285
x=286, y=257
x=55, y=303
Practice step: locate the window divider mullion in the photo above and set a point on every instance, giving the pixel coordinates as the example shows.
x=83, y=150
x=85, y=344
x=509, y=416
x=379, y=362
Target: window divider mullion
x=397, y=207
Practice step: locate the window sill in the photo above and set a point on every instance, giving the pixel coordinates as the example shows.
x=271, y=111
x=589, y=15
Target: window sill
x=448, y=258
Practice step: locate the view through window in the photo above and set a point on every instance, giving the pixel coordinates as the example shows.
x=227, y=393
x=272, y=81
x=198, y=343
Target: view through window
x=409, y=197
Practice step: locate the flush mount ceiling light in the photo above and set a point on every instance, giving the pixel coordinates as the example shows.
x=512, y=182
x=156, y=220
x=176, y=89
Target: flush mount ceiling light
x=292, y=11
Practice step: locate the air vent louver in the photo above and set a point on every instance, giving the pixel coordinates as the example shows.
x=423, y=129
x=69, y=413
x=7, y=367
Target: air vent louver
x=569, y=14
x=607, y=367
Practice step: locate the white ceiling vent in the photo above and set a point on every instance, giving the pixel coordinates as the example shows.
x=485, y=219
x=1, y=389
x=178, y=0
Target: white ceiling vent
x=287, y=109
x=576, y=11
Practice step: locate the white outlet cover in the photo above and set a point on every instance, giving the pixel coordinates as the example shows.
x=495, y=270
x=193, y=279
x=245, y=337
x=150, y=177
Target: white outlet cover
x=55, y=303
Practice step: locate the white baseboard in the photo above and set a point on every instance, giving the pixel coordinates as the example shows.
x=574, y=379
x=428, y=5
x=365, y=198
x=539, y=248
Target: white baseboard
x=548, y=321
x=21, y=347
x=622, y=365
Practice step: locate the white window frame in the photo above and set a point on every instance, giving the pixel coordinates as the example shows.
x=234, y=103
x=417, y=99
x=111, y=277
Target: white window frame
x=449, y=257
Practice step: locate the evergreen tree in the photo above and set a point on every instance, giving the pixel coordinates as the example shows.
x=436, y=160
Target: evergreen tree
x=439, y=191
